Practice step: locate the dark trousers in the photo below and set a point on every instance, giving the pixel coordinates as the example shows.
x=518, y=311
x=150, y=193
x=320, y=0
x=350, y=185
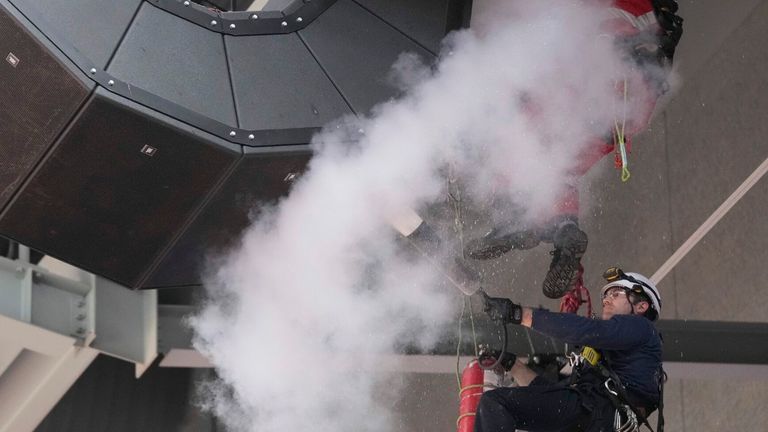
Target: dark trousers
x=540, y=407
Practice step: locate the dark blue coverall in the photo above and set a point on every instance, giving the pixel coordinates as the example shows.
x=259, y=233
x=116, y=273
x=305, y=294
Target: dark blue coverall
x=631, y=347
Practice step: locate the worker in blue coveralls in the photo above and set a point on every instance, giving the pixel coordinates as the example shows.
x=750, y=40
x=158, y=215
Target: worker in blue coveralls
x=618, y=379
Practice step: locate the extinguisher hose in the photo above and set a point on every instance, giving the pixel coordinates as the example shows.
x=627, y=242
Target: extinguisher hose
x=502, y=352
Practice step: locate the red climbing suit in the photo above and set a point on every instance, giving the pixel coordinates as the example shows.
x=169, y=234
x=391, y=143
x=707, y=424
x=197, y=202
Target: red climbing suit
x=629, y=18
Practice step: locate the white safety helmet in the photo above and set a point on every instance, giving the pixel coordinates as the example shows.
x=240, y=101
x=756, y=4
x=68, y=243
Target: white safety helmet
x=634, y=282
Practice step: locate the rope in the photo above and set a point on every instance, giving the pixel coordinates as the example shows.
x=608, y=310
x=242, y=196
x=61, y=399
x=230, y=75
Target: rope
x=620, y=138
x=472, y=320
x=458, y=218
x=473, y=386
x=467, y=304
x=458, y=347
x=435, y=265
x=458, y=222
x=458, y=226
x=469, y=387
x=577, y=296
x=463, y=416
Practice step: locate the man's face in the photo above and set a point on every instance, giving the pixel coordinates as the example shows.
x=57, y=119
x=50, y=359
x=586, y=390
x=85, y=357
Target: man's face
x=616, y=302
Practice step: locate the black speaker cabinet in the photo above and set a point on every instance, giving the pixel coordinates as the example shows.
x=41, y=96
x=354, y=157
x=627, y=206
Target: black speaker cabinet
x=139, y=135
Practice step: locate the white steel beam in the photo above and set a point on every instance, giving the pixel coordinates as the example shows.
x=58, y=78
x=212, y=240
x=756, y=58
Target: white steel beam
x=38, y=367
x=50, y=316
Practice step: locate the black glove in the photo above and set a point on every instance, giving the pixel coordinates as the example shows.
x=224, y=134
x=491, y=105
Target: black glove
x=502, y=309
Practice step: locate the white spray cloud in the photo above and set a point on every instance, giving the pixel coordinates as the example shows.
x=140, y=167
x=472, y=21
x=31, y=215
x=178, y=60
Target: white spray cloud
x=318, y=288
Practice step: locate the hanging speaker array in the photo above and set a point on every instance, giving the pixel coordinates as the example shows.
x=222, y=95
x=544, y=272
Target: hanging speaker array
x=139, y=135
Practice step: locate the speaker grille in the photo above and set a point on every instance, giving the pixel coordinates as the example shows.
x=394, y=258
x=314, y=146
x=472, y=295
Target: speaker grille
x=38, y=96
x=118, y=187
x=260, y=179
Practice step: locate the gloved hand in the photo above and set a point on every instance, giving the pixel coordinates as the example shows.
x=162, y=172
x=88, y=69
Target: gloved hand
x=502, y=309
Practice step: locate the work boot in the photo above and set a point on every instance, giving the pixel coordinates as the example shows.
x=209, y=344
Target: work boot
x=570, y=244
x=499, y=241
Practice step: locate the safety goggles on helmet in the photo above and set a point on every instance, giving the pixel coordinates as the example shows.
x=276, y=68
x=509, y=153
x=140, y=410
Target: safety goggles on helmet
x=614, y=293
x=634, y=283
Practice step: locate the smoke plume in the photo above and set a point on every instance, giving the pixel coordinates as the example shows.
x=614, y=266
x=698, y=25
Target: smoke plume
x=319, y=288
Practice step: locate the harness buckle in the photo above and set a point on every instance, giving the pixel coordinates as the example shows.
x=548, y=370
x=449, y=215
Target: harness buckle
x=608, y=383
x=574, y=359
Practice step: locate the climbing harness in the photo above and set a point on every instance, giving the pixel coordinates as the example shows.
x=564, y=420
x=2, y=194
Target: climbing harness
x=627, y=418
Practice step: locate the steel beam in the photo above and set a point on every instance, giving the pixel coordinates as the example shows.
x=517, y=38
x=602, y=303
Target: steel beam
x=715, y=342
x=684, y=341
x=37, y=366
x=92, y=310
x=34, y=294
x=54, y=320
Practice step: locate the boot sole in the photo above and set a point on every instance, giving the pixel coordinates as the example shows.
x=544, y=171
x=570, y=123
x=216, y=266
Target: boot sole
x=559, y=281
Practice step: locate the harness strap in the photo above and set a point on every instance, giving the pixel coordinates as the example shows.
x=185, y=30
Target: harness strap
x=660, y=421
x=620, y=397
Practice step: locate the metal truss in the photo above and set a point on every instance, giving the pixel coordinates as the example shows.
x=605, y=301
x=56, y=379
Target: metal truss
x=54, y=321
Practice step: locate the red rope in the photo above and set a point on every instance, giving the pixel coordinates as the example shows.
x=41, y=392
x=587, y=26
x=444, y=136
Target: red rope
x=577, y=296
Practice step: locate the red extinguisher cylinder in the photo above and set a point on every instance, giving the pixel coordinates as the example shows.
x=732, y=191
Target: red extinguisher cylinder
x=472, y=379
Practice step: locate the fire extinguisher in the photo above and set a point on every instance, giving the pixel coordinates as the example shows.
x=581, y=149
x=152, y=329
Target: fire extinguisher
x=474, y=381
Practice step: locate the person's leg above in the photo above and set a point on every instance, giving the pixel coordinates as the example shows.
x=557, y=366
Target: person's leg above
x=509, y=232
x=427, y=242
x=570, y=244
